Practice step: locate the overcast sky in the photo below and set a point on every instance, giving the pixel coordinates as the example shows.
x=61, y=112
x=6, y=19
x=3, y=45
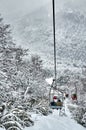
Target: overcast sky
x=8, y=6
x=16, y=8
x=12, y=5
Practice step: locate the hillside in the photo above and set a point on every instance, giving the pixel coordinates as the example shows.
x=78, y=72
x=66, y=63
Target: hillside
x=27, y=85
x=35, y=31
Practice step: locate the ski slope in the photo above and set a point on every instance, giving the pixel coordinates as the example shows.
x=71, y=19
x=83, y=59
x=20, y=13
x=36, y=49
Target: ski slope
x=55, y=122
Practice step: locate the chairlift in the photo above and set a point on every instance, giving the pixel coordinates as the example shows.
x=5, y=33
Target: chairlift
x=55, y=98
x=56, y=104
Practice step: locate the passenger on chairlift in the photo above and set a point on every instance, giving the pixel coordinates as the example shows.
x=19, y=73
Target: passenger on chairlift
x=56, y=102
x=59, y=103
x=55, y=97
x=74, y=97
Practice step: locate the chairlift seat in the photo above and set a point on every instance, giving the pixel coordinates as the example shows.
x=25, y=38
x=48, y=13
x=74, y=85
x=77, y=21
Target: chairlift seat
x=59, y=103
x=56, y=105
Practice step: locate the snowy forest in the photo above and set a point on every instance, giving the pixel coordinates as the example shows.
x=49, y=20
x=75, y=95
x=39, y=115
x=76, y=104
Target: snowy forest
x=23, y=86
x=18, y=92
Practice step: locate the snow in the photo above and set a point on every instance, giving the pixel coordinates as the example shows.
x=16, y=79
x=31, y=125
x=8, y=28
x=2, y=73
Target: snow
x=49, y=80
x=55, y=121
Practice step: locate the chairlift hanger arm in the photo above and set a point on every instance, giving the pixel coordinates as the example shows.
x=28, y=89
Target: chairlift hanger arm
x=54, y=38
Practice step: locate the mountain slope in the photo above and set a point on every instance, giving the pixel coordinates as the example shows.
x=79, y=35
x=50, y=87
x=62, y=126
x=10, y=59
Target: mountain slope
x=55, y=121
x=35, y=30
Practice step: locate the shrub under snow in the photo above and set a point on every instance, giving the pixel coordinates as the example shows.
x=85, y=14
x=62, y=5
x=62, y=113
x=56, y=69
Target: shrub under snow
x=16, y=119
x=79, y=115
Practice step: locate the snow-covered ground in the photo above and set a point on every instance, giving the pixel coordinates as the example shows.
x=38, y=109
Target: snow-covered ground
x=55, y=122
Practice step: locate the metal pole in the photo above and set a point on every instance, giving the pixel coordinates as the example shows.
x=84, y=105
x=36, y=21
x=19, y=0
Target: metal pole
x=53, y=5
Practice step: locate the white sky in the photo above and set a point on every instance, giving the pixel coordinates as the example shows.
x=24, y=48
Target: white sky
x=9, y=8
x=12, y=5
x=15, y=5
x=13, y=9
